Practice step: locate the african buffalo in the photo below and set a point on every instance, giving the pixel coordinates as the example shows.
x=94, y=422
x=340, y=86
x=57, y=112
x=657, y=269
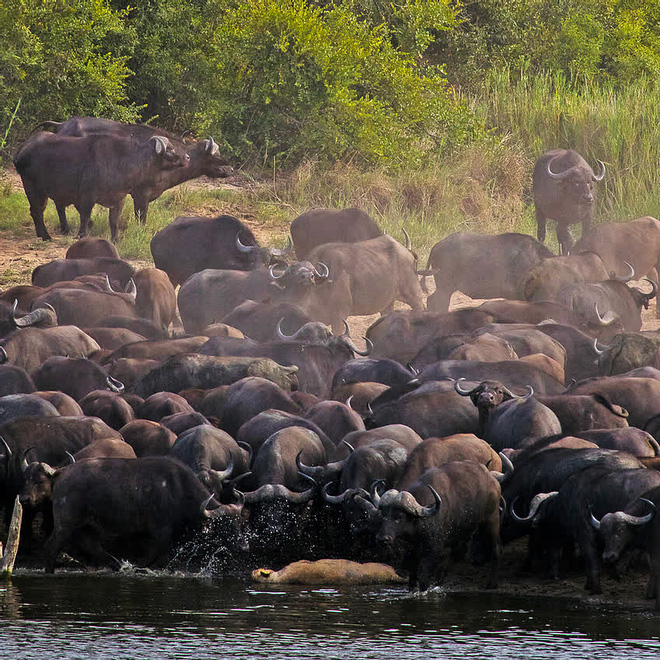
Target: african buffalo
x=563, y=184
x=481, y=266
x=320, y=226
x=96, y=169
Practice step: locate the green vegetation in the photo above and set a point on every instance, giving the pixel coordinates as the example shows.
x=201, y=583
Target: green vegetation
x=428, y=113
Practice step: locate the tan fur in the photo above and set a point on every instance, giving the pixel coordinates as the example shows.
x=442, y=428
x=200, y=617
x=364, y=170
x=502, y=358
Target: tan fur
x=329, y=571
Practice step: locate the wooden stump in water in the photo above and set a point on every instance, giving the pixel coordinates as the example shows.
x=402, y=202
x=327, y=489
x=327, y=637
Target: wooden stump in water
x=7, y=560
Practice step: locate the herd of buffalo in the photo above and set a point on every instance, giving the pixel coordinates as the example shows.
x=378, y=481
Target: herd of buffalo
x=240, y=408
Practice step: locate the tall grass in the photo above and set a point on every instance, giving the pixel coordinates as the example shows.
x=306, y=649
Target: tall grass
x=620, y=126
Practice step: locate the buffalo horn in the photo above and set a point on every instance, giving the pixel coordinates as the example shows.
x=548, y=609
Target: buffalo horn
x=459, y=389
x=601, y=320
x=108, y=285
x=241, y=247
x=598, y=350
x=308, y=470
x=304, y=496
x=115, y=385
x=210, y=145
x=413, y=371
x=325, y=275
x=7, y=455
x=131, y=289
x=601, y=175
x=373, y=492
x=408, y=241
x=351, y=449
x=248, y=449
x=28, y=319
x=284, y=337
x=348, y=402
x=24, y=463
x=625, y=278
x=281, y=253
x=72, y=459
x=333, y=499
x=271, y=271
x=426, y=511
x=356, y=350
x=3, y=355
x=654, y=291
x=641, y=520
x=223, y=508
x=507, y=465
x=534, y=506
x=559, y=175
x=595, y=523
x=226, y=473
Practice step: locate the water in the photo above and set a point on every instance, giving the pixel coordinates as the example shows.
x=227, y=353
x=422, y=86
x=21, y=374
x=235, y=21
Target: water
x=157, y=616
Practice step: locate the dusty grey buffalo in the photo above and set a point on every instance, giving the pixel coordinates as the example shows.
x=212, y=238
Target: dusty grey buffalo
x=564, y=192
x=481, y=266
x=319, y=226
x=358, y=278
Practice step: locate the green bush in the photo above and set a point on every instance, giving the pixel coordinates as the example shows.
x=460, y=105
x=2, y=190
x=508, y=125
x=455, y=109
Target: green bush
x=61, y=58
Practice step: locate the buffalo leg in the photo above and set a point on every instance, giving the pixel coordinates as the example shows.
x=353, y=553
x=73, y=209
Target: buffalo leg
x=586, y=226
x=564, y=238
x=89, y=544
x=37, y=208
x=140, y=207
x=115, y=212
x=85, y=211
x=540, y=226
x=61, y=214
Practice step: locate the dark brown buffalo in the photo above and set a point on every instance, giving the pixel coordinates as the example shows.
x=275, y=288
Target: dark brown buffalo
x=402, y=434
x=109, y=407
x=112, y=339
x=90, y=247
x=129, y=370
x=639, y=396
x=147, y=329
x=14, y=406
x=439, y=513
x=433, y=409
x=96, y=169
x=518, y=374
x=192, y=244
x=507, y=420
x=163, y=404
x=260, y=320
x=563, y=184
x=180, y=422
x=579, y=413
x=248, y=397
x=475, y=347
x=319, y=226
x=336, y=419
x=63, y=270
x=156, y=498
x=30, y=347
x=358, y=396
x=14, y=380
x=105, y=448
x=24, y=293
x=526, y=339
x=481, y=266
x=627, y=351
x=155, y=299
x=67, y=406
x=402, y=334
x=257, y=430
x=148, y=438
x=212, y=455
x=361, y=278
x=85, y=308
x=572, y=513
x=435, y=452
x=204, y=157
x=544, y=281
x=635, y=241
x=523, y=311
x=385, y=371
x=76, y=377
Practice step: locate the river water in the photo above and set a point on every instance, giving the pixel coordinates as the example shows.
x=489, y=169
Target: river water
x=153, y=616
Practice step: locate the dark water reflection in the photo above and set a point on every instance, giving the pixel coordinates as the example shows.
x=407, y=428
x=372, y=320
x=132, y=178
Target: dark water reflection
x=159, y=616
